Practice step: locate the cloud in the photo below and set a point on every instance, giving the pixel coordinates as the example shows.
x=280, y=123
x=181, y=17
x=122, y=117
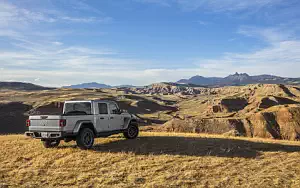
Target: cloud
x=216, y=5
x=67, y=77
x=10, y=33
x=225, y=5
x=164, y=3
x=203, y=22
x=281, y=53
x=232, y=39
x=87, y=20
x=57, y=43
x=84, y=51
x=17, y=17
x=80, y=5
x=11, y=15
x=271, y=35
x=58, y=65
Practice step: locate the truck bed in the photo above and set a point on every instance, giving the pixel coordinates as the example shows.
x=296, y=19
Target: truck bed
x=45, y=123
x=50, y=123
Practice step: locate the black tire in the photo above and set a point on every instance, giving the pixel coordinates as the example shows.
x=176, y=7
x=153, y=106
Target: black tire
x=132, y=132
x=51, y=143
x=85, y=139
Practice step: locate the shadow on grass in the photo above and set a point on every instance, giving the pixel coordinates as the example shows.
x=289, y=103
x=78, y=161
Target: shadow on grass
x=193, y=146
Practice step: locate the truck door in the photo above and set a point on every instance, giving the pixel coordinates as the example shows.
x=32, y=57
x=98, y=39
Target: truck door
x=102, y=118
x=116, y=119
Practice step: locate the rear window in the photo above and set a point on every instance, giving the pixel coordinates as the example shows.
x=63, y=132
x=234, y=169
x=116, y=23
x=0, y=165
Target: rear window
x=81, y=108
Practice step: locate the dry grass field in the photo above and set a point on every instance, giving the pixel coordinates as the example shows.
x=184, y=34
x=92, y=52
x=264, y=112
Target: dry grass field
x=152, y=160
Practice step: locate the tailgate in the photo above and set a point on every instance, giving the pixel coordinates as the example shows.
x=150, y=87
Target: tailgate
x=45, y=123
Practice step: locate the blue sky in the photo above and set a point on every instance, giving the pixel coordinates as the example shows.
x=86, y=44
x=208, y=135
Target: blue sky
x=139, y=42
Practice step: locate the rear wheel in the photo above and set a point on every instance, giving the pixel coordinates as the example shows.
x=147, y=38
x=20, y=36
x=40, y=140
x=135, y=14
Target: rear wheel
x=85, y=139
x=50, y=143
x=132, y=132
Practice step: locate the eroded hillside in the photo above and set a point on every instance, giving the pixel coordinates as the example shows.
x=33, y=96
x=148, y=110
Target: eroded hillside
x=259, y=110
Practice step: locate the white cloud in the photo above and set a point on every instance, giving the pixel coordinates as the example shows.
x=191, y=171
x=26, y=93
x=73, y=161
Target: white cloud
x=58, y=65
x=9, y=33
x=280, y=57
x=112, y=77
x=87, y=20
x=80, y=5
x=11, y=15
x=202, y=22
x=268, y=34
x=85, y=51
x=57, y=43
x=216, y=5
x=164, y=3
x=225, y=5
x=16, y=17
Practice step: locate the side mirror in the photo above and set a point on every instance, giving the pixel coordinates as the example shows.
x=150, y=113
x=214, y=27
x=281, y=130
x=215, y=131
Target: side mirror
x=118, y=111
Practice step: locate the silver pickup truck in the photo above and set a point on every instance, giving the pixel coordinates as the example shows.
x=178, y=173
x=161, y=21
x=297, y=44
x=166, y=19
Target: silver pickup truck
x=82, y=121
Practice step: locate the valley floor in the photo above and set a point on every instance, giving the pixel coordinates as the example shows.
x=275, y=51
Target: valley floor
x=152, y=160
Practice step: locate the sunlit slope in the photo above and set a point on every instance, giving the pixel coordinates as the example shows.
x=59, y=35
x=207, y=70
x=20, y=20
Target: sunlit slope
x=154, y=159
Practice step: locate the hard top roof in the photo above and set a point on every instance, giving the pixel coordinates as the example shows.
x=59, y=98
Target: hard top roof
x=99, y=100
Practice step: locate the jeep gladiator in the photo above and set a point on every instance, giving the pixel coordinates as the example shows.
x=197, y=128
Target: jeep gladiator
x=82, y=121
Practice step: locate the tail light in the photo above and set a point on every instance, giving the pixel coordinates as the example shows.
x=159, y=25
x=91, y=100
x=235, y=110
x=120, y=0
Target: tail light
x=27, y=123
x=62, y=122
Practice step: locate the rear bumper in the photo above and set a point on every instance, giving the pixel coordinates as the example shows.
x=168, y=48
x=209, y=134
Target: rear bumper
x=45, y=135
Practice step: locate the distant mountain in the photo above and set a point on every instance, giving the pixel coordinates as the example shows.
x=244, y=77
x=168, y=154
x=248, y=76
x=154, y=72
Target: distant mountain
x=125, y=86
x=238, y=79
x=88, y=85
x=200, y=80
x=96, y=85
x=22, y=86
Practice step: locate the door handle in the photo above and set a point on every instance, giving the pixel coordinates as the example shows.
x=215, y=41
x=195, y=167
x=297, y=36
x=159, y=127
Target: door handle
x=102, y=118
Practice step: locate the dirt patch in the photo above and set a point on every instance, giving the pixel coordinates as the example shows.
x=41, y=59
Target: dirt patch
x=13, y=117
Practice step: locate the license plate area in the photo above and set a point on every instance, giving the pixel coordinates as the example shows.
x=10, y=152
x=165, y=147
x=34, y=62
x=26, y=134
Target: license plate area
x=44, y=134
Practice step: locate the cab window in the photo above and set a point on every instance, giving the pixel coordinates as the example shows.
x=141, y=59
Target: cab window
x=78, y=108
x=102, y=108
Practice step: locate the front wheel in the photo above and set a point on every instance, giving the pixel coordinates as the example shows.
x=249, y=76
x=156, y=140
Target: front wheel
x=85, y=139
x=132, y=132
x=50, y=143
